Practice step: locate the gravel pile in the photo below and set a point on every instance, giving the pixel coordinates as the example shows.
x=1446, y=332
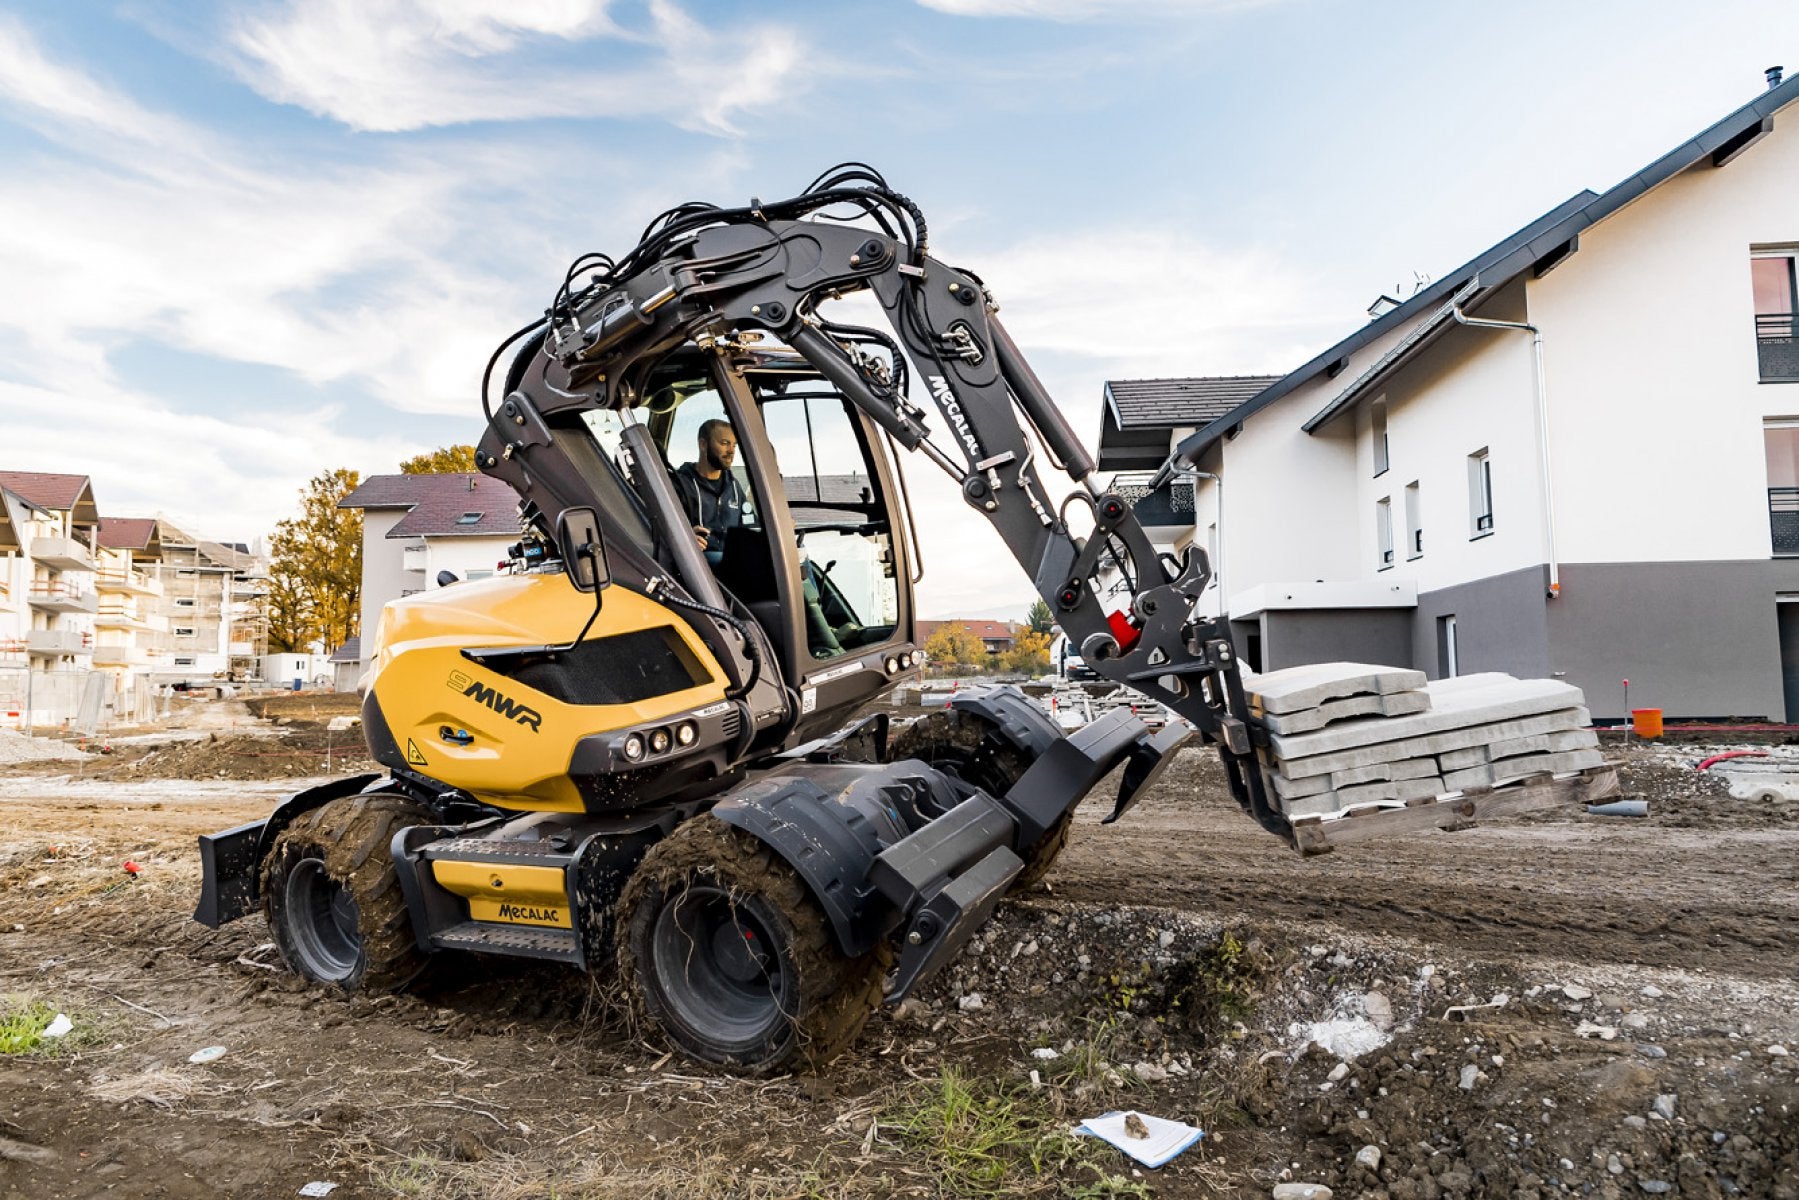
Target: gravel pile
x=15, y=747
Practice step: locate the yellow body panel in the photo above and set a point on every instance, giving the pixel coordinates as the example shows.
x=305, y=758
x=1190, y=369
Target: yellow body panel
x=503, y=892
x=521, y=740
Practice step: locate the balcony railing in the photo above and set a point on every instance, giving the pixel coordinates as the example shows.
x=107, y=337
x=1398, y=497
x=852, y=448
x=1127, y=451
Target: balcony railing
x=134, y=583
x=1167, y=507
x=1775, y=347
x=1783, y=519
x=61, y=598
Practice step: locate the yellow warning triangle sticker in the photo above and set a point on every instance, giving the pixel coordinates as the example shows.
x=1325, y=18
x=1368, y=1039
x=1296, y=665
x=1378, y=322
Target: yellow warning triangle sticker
x=414, y=755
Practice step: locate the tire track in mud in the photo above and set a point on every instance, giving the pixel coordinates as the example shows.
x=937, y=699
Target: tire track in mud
x=1586, y=900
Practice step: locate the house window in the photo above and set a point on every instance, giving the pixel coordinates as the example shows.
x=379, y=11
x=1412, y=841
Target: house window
x=474, y=575
x=1771, y=276
x=469, y=518
x=1414, y=523
x=1780, y=443
x=184, y=631
x=184, y=662
x=1377, y=413
x=1480, y=494
x=1383, y=531
x=184, y=603
x=1448, y=666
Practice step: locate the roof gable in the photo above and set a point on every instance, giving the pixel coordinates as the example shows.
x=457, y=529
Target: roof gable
x=137, y=534
x=450, y=504
x=73, y=494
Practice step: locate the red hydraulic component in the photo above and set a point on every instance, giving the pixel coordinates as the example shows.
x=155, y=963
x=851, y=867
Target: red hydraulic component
x=1122, y=629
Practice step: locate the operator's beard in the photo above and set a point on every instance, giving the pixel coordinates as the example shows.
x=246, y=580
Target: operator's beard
x=714, y=463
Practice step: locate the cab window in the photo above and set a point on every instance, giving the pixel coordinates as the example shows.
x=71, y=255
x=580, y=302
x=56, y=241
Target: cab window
x=844, y=543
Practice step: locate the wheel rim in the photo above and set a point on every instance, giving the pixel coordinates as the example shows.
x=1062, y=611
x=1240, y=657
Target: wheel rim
x=325, y=922
x=721, y=967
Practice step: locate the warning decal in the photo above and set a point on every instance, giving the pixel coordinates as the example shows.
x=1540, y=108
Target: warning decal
x=414, y=755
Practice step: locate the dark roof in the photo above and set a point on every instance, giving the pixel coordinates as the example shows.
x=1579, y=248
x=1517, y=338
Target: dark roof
x=437, y=504
x=1139, y=415
x=58, y=493
x=350, y=651
x=1538, y=246
x=130, y=533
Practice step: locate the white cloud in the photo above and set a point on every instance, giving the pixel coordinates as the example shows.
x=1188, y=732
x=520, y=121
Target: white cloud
x=1082, y=10
x=410, y=64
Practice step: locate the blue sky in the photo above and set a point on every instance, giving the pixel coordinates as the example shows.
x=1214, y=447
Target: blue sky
x=249, y=242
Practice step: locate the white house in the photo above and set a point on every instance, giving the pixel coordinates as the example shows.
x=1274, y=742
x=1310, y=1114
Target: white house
x=415, y=527
x=1576, y=455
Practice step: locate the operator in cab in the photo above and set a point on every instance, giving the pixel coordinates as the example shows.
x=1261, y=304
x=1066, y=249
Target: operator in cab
x=710, y=491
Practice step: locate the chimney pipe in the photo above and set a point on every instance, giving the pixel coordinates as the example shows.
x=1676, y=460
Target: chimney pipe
x=1774, y=74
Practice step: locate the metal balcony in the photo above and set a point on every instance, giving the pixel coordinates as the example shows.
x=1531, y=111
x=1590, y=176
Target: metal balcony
x=1783, y=520
x=61, y=598
x=1775, y=347
x=1161, y=511
x=58, y=641
x=62, y=553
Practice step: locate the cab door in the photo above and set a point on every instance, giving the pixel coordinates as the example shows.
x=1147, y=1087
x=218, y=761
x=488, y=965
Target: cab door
x=832, y=496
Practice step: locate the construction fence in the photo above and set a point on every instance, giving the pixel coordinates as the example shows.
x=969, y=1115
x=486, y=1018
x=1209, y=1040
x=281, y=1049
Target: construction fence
x=76, y=702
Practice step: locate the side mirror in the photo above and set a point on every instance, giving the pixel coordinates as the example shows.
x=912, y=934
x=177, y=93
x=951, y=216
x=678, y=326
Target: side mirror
x=583, y=552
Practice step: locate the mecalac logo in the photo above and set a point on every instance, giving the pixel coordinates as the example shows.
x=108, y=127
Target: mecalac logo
x=524, y=714
x=946, y=400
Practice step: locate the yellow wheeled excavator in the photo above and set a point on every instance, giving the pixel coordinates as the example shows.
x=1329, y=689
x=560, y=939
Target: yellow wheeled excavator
x=633, y=752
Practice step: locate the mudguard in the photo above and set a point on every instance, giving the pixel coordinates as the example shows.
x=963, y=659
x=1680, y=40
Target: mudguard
x=231, y=860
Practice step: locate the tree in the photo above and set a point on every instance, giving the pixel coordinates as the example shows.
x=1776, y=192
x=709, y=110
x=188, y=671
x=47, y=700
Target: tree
x=444, y=460
x=1029, y=653
x=315, y=568
x=953, y=644
x=1039, y=618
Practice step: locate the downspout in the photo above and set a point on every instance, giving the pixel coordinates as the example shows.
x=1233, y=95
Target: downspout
x=1542, y=404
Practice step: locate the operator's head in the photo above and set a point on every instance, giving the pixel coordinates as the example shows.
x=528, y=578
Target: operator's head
x=718, y=446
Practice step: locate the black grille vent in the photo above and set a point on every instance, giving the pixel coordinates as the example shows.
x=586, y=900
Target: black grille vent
x=733, y=723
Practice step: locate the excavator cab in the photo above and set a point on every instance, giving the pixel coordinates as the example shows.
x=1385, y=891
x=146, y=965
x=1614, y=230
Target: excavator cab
x=813, y=548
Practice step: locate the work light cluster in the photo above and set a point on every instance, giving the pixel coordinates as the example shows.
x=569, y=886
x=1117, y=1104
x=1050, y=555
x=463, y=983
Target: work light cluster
x=650, y=743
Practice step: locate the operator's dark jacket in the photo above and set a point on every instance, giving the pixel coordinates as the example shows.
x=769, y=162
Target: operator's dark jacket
x=713, y=504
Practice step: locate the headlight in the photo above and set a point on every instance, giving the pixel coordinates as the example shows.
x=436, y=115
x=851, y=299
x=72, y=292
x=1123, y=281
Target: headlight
x=634, y=747
x=893, y=666
x=660, y=741
x=687, y=733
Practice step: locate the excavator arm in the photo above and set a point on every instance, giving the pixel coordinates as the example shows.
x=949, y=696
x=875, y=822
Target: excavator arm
x=720, y=277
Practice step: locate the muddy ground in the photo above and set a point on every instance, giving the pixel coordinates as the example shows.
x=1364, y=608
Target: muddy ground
x=1634, y=983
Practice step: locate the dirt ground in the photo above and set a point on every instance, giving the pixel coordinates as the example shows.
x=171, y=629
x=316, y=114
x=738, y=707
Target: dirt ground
x=1568, y=1004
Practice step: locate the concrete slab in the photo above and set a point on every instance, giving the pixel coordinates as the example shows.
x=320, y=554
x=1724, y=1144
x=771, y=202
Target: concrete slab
x=1451, y=708
x=1291, y=689
x=1392, y=704
x=1395, y=792
x=1542, y=743
x=1493, y=774
x=1410, y=768
x=1324, y=763
x=1294, y=789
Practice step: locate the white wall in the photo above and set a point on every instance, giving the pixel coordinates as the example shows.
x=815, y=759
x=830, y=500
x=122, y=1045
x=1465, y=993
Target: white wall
x=463, y=555
x=1656, y=408
x=384, y=577
x=1472, y=389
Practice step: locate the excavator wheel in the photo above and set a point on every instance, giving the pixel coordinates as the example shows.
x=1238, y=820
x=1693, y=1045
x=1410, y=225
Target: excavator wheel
x=332, y=897
x=723, y=947
x=967, y=746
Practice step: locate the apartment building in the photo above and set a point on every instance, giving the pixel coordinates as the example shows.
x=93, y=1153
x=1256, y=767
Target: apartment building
x=48, y=600
x=1576, y=455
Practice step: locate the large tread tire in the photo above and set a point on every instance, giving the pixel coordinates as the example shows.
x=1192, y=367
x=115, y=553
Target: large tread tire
x=963, y=744
x=796, y=1002
x=330, y=854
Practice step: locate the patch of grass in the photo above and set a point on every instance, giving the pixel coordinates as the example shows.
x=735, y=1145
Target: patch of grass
x=22, y=1025
x=982, y=1139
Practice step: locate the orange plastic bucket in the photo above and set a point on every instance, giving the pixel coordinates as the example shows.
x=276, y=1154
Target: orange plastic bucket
x=1646, y=722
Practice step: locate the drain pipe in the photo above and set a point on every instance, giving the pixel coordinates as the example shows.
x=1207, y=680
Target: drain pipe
x=1542, y=398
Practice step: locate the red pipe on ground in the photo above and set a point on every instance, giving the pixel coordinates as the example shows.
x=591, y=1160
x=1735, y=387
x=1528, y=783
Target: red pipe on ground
x=1731, y=754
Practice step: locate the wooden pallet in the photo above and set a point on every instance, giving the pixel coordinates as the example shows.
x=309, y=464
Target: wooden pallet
x=1313, y=835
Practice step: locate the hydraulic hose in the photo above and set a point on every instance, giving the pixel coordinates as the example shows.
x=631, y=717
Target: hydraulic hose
x=751, y=649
